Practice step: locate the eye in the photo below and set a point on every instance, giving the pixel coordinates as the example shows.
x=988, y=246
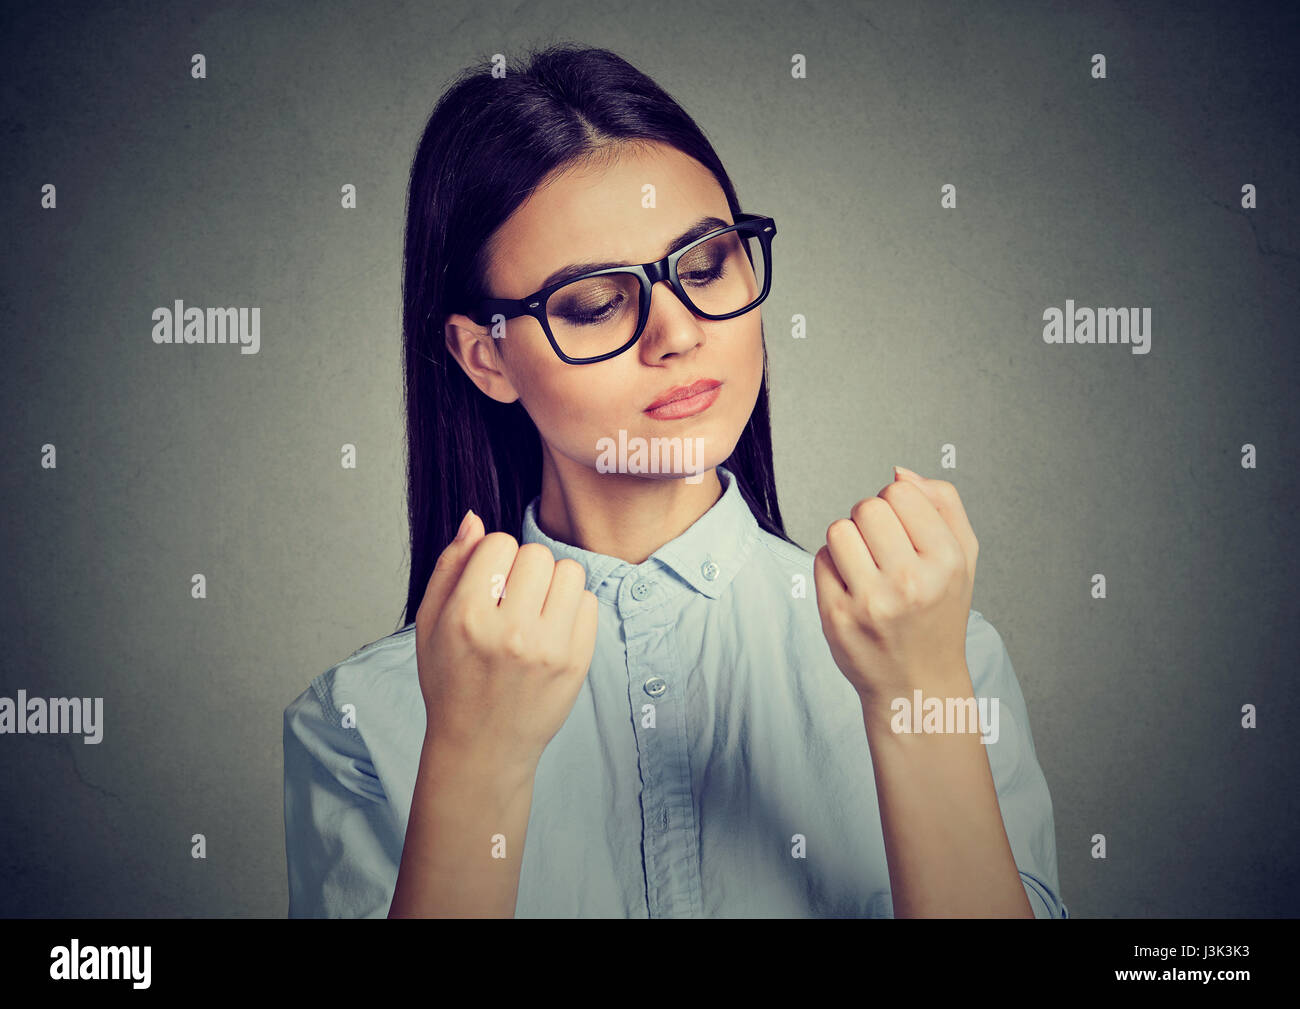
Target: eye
x=701, y=277
x=704, y=264
x=587, y=312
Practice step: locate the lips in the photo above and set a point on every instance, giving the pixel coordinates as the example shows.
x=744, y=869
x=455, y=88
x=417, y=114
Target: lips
x=685, y=392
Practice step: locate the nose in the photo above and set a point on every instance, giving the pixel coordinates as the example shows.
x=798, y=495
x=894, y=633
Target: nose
x=670, y=327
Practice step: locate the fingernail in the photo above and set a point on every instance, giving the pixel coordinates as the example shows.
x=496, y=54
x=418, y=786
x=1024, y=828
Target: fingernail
x=464, y=526
x=908, y=473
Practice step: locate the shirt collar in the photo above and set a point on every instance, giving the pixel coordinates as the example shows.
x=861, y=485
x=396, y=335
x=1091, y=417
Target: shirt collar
x=707, y=556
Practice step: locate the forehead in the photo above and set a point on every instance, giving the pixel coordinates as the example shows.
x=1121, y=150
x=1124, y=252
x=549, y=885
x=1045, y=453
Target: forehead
x=595, y=212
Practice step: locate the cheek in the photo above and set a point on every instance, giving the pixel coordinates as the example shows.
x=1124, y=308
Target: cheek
x=752, y=366
x=572, y=406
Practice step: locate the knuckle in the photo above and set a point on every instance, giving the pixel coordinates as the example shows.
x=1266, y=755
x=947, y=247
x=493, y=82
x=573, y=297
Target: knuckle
x=857, y=612
x=500, y=536
x=538, y=549
x=941, y=569
x=554, y=658
x=840, y=527
x=882, y=607
x=570, y=568
x=863, y=509
x=911, y=586
x=514, y=643
x=838, y=617
x=466, y=623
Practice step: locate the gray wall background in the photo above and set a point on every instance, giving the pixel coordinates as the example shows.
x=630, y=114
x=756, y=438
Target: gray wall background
x=924, y=328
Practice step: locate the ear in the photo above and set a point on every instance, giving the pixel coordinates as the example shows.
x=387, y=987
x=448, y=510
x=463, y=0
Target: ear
x=471, y=345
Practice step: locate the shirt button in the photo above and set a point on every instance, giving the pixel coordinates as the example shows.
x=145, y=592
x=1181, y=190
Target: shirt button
x=709, y=570
x=655, y=686
x=640, y=590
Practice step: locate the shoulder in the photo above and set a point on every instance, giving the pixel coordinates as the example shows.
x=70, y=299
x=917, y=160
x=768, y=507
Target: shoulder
x=377, y=676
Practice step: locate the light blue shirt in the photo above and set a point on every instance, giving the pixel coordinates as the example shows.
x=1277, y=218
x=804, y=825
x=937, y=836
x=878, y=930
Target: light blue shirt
x=757, y=737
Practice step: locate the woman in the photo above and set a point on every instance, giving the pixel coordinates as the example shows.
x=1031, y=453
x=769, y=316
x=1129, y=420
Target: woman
x=638, y=708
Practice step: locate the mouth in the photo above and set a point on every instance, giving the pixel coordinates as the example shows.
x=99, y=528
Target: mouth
x=686, y=400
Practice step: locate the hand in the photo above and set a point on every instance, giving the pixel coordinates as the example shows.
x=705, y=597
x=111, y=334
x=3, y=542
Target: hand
x=894, y=588
x=500, y=665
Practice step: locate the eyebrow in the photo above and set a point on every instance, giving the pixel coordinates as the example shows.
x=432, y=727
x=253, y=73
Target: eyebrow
x=701, y=227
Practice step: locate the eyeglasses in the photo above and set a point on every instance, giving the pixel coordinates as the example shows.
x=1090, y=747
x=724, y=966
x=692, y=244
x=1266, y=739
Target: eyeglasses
x=599, y=315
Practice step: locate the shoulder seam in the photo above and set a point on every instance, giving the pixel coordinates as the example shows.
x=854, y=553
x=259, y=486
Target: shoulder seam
x=780, y=549
x=326, y=695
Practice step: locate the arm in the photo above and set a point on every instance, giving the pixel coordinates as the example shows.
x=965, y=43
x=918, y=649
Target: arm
x=959, y=815
x=499, y=672
x=448, y=868
x=341, y=841
x=945, y=841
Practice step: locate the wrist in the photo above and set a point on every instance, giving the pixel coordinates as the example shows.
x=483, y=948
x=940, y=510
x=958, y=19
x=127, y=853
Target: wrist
x=480, y=772
x=900, y=712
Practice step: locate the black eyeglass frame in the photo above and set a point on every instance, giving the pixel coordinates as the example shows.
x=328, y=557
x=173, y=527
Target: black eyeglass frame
x=649, y=274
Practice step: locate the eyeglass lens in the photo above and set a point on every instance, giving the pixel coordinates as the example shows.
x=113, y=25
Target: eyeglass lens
x=598, y=315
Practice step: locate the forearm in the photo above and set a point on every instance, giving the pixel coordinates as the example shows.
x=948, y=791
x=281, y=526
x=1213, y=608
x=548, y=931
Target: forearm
x=945, y=841
x=448, y=867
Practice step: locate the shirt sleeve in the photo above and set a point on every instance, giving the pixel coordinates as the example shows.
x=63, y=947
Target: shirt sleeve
x=1023, y=798
x=341, y=842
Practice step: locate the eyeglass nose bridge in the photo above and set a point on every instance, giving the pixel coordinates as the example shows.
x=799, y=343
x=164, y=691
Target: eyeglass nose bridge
x=654, y=273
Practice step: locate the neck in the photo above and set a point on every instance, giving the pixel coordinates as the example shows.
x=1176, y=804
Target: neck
x=623, y=515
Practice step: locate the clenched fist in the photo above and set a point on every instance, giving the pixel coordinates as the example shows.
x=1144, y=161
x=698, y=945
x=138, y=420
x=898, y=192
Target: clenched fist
x=894, y=585
x=504, y=639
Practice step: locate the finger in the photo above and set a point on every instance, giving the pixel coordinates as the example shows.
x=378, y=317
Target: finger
x=883, y=533
x=583, y=642
x=448, y=568
x=943, y=495
x=954, y=513
x=852, y=561
x=921, y=521
x=528, y=581
x=568, y=579
x=826, y=577
x=485, y=572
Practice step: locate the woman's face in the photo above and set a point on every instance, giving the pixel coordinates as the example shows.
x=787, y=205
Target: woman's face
x=596, y=215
